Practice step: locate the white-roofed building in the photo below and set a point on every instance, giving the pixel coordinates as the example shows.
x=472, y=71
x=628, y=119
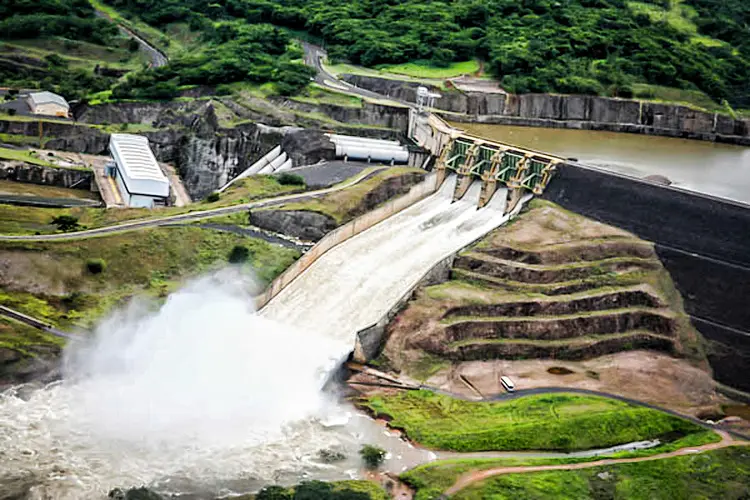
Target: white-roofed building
x=139, y=178
x=48, y=103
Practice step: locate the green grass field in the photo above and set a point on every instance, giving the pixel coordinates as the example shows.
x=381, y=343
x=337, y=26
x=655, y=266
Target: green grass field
x=421, y=69
x=432, y=479
x=30, y=220
x=342, y=205
x=23, y=155
x=716, y=474
x=562, y=422
x=63, y=292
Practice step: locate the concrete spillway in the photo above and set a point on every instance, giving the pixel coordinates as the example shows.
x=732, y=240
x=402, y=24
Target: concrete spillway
x=355, y=283
x=205, y=396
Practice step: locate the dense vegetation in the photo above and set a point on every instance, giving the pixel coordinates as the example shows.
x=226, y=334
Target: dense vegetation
x=716, y=474
x=576, y=46
x=319, y=490
x=564, y=422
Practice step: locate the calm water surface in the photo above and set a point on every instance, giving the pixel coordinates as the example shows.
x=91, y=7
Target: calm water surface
x=717, y=169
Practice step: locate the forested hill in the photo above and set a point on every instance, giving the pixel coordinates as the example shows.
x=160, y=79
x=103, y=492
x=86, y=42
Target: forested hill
x=569, y=46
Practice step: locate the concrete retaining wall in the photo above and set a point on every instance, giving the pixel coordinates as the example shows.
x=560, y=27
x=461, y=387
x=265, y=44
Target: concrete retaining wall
x=703, y=242
x=571, y=111
x=343, y=233
x=369, y=341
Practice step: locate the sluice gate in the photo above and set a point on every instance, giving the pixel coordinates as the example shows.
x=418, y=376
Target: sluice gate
x=472, y=158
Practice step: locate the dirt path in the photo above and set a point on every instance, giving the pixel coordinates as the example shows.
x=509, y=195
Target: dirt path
x=476, y=476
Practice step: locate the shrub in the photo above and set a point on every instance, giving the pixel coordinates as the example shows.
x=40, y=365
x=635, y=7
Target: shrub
x=273, y=493
x=288, y=179
x=213, y=197
x=372, y=455
x=12, y=112
x=238, y=255
x=66, y=223
x=96, y=266
x=133, y=45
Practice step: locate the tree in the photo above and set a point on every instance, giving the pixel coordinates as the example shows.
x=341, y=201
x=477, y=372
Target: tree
x=66, y=223
x=96, y=266
x=238, y=255
x=133, y=45
x=213, y=197
x=274, y=493
x=372, y=455
x=288, y=179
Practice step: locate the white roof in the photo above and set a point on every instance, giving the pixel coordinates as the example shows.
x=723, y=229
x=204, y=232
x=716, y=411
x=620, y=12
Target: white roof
x=136, y=157
x=46, y=97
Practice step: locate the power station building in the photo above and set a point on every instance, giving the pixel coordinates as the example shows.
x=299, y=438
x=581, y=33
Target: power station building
x=136, y=173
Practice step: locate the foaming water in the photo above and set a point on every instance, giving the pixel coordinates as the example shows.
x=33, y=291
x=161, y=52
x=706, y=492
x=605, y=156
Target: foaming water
x=203, y=395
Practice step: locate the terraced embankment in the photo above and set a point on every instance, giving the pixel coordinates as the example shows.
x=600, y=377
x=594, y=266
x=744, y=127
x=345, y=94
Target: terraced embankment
x=553, y=289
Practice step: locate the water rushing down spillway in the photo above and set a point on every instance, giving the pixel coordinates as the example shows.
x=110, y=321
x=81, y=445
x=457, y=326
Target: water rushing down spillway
x=205, y=395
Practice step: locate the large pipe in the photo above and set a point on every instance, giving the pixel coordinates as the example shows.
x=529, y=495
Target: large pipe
x=364, y=153
x=286, y=166
x=279, y=161
x=382, y=145
x=255, y=167
x=342, y=149
x=352, y=138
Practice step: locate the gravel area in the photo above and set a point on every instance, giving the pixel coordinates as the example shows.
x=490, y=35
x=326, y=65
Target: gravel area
x=327, y=174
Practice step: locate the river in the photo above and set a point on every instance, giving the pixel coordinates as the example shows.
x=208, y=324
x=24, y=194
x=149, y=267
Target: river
x=717, y=169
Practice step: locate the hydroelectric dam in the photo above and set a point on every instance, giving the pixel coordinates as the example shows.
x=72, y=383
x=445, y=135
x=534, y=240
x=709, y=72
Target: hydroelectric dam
x=236, y=392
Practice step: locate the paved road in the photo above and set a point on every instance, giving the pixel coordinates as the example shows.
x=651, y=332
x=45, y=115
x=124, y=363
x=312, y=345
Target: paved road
x=313, y=57
x=158, y=58
x=190, y=216
x=476, y=476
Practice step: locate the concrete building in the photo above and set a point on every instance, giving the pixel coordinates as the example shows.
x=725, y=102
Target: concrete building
x=138, y=177
x=48, y=103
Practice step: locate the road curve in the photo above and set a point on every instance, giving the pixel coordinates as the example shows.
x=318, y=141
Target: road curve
x=191, y=216
x=476, y=476
x=158, y=58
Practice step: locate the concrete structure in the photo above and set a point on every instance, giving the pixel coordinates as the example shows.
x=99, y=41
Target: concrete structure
x=274, y=161
x=48, y=103
x=139, y=178
x=495, y=163
x=360, y=148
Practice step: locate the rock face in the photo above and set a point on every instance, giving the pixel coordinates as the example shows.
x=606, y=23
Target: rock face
x=17, y=368
x=386, y=190
x=302, y=224
x=572, y=111
x=50, y=176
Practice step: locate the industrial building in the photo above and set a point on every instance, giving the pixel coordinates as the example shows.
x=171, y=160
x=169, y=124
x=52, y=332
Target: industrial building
x=48, y=104
x=138, y=177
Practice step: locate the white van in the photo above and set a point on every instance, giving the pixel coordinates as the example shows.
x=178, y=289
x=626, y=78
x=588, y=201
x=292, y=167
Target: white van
x=508, y=384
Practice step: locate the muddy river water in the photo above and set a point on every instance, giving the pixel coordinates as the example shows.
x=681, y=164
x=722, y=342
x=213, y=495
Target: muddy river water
x=717, y=169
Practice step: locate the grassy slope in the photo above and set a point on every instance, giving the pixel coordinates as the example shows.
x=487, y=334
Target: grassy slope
x=564, y=422
x=717, y=474
x=63, y=292
x=29, y=220
x=421, y=69
x=341, y=204
x=23, y=155
x=339, y=489
x=45, y=191
x=432, y=479
x=23, y=338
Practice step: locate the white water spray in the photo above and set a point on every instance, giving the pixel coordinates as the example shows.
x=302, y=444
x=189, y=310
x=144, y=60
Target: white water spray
x=204, y=394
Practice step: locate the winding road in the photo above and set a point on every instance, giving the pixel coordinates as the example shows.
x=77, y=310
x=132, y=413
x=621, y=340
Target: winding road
x=476, y=476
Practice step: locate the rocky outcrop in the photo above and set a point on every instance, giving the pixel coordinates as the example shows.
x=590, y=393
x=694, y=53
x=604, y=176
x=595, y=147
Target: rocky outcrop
x=60, y=135
x=571, y=111
x=386, y=190
x=302, y=224
x=16, y=367
x=50, y=176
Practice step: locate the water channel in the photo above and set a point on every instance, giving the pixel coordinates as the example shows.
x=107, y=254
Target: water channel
x=717, y=169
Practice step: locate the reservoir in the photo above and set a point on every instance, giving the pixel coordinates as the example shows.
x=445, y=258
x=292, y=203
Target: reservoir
x=717, y=169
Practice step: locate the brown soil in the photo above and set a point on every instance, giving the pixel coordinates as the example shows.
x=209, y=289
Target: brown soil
x=573, y=251
x=647, y=376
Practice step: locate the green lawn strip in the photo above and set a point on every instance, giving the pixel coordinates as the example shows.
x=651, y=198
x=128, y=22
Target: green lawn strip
x=557, y=422
x=593, y=264
x=334, y=490
x=21, y=140
x=317, y=94
x=25, y=156
x=723, y=473
x=432, y=479
x=581, y=341
x=30, y=220
x=424, y=69
x=452, y=320
x=66, y=294
x=342, y=205
x=44, y=191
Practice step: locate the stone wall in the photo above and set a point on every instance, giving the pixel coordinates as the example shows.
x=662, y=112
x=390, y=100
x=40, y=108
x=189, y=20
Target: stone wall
x=571, y=111
x=702, y=241
x=49, y=176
